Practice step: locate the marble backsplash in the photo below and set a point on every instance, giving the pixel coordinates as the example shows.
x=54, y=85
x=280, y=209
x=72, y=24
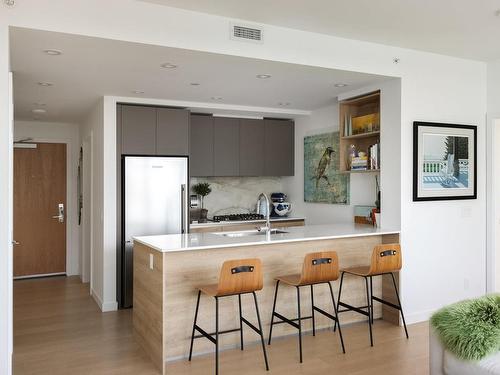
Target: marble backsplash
x=236, y=194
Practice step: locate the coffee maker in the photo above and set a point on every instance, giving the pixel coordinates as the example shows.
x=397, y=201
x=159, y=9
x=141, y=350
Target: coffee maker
x=280, y=207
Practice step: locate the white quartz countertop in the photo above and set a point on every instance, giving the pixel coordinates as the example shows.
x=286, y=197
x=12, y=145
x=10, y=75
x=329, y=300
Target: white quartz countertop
x=236, y=222
x=203, y=241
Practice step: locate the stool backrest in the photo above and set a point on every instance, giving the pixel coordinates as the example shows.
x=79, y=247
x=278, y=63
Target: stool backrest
x=240, y=276
x=319, y=267
x=386, y=258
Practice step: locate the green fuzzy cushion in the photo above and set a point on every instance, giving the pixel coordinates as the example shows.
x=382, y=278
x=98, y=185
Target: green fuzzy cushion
x=470, y=329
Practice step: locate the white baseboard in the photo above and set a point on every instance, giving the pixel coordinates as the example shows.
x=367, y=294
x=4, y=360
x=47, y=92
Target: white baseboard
x=104, y=306
x=419, y=317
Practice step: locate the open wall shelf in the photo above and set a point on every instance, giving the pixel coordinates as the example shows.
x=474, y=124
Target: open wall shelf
x=360, y=129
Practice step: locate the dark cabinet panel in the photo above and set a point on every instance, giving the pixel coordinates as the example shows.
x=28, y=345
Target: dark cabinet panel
x=226, y=146
x=279, y=148
x=172, y=132
x=251, y=145
x=138, y=130
x=202, y=146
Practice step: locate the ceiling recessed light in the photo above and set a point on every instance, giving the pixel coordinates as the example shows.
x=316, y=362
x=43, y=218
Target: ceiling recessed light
x=217, y=97
x=45, y=84
x=52, y=52
x=138, y=92
x=168, y=66
x=340, y=85
x=194, y=84
x=263, y=76
x=38, y=111
x=284, y=104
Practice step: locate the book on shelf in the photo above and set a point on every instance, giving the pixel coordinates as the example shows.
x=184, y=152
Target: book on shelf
x=374, y=156
x=347, y=125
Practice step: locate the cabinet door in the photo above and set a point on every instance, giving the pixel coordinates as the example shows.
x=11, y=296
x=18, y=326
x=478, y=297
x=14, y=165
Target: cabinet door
x=138, y=130
x=172, y=132
x=226, y=146
x=202, y=146
x=251, y=145
x=279, y=148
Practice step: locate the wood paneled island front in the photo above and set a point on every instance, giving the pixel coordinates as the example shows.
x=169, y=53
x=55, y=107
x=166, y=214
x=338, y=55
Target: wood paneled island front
x=167, y=270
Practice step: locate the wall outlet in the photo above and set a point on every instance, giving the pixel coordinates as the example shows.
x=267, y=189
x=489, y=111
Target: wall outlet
x=151, y=261
x=466, y=284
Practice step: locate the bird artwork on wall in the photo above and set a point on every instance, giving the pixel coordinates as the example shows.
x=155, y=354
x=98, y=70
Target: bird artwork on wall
x=323, y=182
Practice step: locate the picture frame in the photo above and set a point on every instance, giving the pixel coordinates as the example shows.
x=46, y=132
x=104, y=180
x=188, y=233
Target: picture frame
x=444, y=161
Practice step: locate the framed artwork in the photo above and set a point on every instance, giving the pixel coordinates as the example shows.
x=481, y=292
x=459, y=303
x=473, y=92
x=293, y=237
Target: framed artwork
x=323, y=182
x=444, y=161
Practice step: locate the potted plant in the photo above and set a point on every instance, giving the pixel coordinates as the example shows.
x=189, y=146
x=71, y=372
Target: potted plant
x=202, y=189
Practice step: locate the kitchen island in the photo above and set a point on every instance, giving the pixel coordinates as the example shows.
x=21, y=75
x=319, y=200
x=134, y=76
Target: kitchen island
x=168, y=268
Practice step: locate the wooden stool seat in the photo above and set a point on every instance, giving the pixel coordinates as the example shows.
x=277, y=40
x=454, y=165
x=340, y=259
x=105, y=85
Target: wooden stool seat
x=318, y=268
x=386, y=259
x=237, y=277
x=292, y=280
x=209, y=290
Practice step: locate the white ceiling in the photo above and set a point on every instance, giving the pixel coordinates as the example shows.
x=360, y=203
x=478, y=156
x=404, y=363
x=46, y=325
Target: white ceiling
x=91, y=67
x=464, y=28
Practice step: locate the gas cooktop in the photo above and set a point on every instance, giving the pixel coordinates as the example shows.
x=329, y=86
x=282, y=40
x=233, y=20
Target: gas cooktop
x=238, y=217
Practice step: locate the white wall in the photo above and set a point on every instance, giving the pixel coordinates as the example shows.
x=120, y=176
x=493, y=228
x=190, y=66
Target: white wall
x=362, y=186
x=493, y=145
x=438, y=238
x=69, y=134
x=6, y=219
x=100, y=129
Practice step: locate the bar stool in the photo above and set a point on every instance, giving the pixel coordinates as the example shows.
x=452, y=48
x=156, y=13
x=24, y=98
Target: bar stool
x=237, y=277
x=386, y=259
x=318, y=268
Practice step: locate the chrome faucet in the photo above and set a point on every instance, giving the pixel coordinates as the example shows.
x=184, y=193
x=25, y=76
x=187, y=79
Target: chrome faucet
x=267, y=228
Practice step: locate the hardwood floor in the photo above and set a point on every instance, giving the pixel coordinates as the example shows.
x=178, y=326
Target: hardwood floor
x=58, y=329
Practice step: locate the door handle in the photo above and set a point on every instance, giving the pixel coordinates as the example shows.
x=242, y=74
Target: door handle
x=60, y=216
x=14, y=242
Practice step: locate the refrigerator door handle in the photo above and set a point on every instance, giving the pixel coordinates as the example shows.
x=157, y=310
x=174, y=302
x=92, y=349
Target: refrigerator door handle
x=184, y=216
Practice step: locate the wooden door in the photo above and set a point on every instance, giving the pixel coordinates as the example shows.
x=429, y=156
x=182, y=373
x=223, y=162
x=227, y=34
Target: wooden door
x=39, y=188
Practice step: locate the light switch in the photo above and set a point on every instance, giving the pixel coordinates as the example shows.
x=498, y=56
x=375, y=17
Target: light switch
x=151, y=262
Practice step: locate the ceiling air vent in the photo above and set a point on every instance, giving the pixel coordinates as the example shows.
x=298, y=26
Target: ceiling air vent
x=247, y=33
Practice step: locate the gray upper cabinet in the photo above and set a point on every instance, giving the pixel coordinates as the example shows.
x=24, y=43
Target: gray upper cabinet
x=279, y=148
x=149, y=130
x=172, y=132
x=226, y=146
x=201, y=161
x=251, y=147
x=138, y=131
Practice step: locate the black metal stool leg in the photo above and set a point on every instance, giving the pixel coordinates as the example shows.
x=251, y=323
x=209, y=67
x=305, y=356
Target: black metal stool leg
x=216, y=336
x=312, y=310
x=194, y=325
x=371, y=298
x=261, y=332
x=399, y=303
x=300, y=323
x=340, y=292
x=337, y=317
x=274, y=309
x=369, y=310
x=241, y=322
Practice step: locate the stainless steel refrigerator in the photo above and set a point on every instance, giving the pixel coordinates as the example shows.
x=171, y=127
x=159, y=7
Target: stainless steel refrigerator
x=154, y=202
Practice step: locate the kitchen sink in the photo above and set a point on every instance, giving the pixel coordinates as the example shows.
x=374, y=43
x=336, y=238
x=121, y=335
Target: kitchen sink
x=246, y=233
